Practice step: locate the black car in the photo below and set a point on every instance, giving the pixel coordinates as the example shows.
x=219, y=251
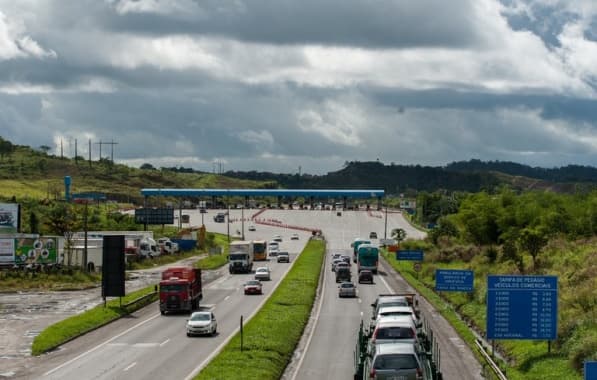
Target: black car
x=366, y=276
x=373, y=235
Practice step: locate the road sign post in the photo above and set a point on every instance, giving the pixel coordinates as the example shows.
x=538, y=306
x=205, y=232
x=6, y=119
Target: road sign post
x=454, y=280
x=522, y=307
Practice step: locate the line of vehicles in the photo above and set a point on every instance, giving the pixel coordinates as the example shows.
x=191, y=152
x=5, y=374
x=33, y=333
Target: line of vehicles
x=396, y=344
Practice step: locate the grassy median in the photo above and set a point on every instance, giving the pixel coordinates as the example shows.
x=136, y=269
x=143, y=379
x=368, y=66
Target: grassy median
x=77, y=325
x=271, y=336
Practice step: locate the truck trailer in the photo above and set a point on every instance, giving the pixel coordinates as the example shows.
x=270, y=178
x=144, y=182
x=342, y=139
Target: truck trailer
x=180, y=289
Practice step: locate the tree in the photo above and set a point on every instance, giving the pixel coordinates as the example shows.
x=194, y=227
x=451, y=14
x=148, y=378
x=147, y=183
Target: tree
x=532, y=240
x=147, y=166
x=398, y=234
x=61, y=219
x=6, y=148
x=45, y=148
x=33, y=223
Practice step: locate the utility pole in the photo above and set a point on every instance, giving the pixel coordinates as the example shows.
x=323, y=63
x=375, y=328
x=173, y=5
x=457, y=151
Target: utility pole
x=89, y=152
x=242, y=221
x=76, y=150
x=61, y=152
x=85, y=214
x=385, y=229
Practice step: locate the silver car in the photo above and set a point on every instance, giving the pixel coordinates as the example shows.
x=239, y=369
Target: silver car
x=347, y=289
x=262, y=274
x=202, y=322
x=394, y=361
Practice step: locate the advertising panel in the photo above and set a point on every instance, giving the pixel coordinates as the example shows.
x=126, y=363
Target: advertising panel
x=7, y=251
x=39, y=250
x=9, y=218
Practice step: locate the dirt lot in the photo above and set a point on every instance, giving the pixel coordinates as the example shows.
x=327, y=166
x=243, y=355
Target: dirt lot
x=23, y=315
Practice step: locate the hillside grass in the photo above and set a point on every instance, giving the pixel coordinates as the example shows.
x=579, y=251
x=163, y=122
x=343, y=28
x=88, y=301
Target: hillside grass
x=29, y=173
x=271, y=336
x=573, y=263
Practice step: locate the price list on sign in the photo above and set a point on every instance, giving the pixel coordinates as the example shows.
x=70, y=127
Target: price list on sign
x=522, y=307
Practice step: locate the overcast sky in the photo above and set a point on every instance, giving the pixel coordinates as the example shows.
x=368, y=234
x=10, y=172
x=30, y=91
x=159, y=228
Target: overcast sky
x=282, y=84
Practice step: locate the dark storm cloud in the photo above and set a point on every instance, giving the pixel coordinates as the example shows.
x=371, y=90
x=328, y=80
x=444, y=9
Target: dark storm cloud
x=552, y=106
x=383, y=23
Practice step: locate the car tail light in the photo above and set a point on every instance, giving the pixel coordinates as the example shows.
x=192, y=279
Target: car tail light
x=372, y=373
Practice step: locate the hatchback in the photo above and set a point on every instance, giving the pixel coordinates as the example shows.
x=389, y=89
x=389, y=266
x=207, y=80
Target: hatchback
x=394, y=361
x=262, y=274
x=347, y=289
x=283, y=257
x=202, y=322
x=365, y=276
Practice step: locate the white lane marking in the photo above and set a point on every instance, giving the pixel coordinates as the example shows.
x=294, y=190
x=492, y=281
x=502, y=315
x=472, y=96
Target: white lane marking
x=101, y=345
x=385, y=283
x=130, y=366
x=164, y=342
x=144, y=345
x=300, y=363
x=226, y=298
x=215, y=352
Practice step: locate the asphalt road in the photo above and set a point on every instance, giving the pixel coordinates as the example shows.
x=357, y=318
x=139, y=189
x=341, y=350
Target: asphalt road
x=147, y=345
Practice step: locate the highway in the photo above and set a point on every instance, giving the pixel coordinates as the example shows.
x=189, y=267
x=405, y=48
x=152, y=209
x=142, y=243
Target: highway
x=148, y=345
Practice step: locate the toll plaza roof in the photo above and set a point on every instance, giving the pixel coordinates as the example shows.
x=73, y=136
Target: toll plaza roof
x=316, y=193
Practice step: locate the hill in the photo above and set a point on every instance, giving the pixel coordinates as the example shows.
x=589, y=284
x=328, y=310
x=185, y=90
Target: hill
x=26, y=172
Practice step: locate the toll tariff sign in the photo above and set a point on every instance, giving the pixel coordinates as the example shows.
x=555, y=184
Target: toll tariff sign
x=454, y=280
x=409, y=255
x=522, y=307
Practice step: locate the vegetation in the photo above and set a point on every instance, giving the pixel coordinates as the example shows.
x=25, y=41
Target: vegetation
x=271, y=336
x=54, y=280
x=77, y=325
x=533, y=233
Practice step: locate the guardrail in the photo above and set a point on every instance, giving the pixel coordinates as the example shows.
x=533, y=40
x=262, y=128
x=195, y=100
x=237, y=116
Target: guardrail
x=492, y=365
x=145, y=298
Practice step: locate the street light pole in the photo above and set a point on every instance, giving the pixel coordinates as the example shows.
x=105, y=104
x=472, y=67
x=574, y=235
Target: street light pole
x=242, y=221
x=385, y=229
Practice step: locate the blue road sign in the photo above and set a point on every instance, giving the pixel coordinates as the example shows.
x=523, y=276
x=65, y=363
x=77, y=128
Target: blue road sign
x=454, y=280
x=590, y=370
x=522, y=307
x=416, y=255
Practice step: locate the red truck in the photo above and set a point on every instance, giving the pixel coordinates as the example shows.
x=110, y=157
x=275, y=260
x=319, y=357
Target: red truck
x=180, y=289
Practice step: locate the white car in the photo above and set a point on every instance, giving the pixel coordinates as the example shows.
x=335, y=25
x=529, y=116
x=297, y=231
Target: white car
x=262, y=274
x=252, y=227
x=202, y=322
x=277, y=238
x=294, y=237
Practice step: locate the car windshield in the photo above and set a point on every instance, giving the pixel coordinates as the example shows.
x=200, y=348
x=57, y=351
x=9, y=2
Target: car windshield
x=394, y=332
x=253, y=282
x=396, y=361
x=283, y=254
x=262, y=270
x=347, y=285
x=200, y=317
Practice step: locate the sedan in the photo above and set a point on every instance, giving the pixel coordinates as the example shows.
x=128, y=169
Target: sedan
x=294, y=237
x=283, y=257
x=263, y=274
x=253, y=287
x=277, y=238
x=202, y=322
x=252, y=227
x=347, y=289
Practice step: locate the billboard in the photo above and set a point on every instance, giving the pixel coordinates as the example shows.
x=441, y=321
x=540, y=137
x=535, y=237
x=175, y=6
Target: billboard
x=9, y=218
x=33, y=249
x=154, y=216
x=7, y=251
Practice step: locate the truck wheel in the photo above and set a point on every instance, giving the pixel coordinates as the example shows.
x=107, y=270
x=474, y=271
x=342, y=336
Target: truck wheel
x=162, y=312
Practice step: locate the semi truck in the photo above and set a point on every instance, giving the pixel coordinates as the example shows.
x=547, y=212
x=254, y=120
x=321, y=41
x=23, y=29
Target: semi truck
x=240, y=257
x=180, y=289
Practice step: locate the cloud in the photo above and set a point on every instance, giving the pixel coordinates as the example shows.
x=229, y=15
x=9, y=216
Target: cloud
x=14, y=43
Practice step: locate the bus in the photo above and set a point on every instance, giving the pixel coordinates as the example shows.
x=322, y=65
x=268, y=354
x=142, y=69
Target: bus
x=368, y=258
x=260, y=250
x=355, y=247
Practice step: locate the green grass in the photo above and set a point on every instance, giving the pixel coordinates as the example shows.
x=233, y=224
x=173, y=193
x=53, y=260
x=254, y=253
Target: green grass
x=531, y=357
x=64, y=280
x=271, y=336
x=77, y=325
